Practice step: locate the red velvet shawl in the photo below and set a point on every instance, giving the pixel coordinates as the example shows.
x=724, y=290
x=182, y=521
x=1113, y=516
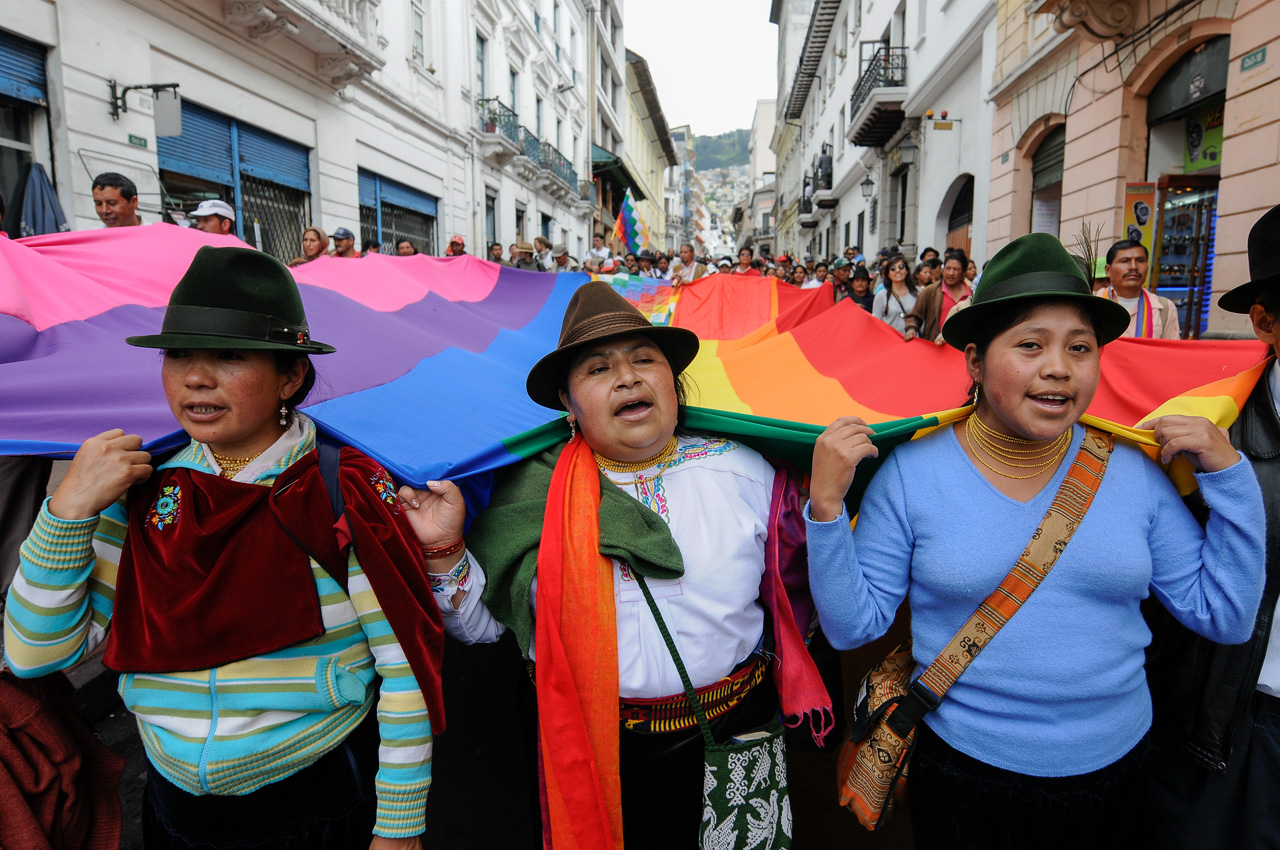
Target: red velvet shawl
x=215, y=571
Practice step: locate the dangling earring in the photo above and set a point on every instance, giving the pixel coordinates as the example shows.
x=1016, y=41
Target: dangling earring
x=977, y=392
x=284, y=415
x=573, y=429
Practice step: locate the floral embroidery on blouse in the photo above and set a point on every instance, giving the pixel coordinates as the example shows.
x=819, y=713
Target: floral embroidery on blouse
x=167, y=509
x=386, y=489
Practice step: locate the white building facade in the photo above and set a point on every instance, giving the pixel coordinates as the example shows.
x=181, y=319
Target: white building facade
x=382, y=117
x=873, y=163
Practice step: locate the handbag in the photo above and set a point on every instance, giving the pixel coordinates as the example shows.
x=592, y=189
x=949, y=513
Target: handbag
x=745, y=805
x=872, y=768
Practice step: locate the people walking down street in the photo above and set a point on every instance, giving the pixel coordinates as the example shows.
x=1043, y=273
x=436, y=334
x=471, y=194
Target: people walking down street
x=937, y=300
x=542, y=253
x=971, y=272
x=701, y=550
x=525, y=259
x=214, y=216
x=405, y=248
x=1154, y=316
x=859, y=288
x=922, y=275
x=1217, y=707
x=818, y=277
x=285, y=677
x=896, y=300
x=744, y=262
x=632, y=262
x=563, y=262
x=687, y=268
x=798, y=277
x=344, y=244
x=115, y=200
x=1045, y=736
x=646, y=260
x=370, y=246
x=457, y=246
x=928, y=254
x=936, y=268
x=664, y=267
x=315, y=244
x=495, y=254
x=598, y=249
x=513, y=255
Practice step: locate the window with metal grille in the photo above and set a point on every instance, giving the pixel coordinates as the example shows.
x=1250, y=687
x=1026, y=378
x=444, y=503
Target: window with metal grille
x=266, y=177
x=391, y=212
x=274, y=216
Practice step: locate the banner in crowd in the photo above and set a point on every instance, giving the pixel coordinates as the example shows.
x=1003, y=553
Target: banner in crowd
x=432, y=353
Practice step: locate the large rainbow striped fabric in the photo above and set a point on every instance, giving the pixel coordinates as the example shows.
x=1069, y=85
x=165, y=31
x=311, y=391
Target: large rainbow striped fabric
x=433, y=352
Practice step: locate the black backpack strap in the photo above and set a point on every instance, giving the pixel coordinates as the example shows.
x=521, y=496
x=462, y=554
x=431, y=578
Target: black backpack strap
x=330, y=455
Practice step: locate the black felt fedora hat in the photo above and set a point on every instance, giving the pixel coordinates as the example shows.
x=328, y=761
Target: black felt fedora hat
x=235, y=298
x=596, y=312
x=1264, y=264
x=1035, y=266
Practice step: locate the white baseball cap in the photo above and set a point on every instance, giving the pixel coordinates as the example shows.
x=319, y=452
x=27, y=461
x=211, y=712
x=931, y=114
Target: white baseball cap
x=214, y=207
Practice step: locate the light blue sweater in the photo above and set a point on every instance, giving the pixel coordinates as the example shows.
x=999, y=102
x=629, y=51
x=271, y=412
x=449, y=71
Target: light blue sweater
x=1061, y=689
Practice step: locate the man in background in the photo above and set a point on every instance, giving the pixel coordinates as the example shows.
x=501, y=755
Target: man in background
x=215, y=216
x=115, y=200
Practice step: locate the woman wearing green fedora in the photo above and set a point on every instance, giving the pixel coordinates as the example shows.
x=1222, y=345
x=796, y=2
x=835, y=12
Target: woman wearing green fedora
x=1038, y=740
x=582, y=545
x=248, y=627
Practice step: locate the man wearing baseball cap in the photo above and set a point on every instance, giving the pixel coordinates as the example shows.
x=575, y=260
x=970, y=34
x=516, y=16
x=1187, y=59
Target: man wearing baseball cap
x=344, y=244
x=563, y=262
x=457, y=247
x=215, y=216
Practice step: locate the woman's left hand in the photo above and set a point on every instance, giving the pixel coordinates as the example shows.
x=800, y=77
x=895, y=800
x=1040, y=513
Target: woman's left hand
x=1206, y=445
x=380, y=843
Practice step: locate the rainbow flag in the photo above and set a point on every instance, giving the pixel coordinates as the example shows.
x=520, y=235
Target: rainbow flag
x=433, y=353
x=630, y=229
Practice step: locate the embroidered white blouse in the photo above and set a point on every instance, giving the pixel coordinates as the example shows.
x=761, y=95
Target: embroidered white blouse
x=715, y=496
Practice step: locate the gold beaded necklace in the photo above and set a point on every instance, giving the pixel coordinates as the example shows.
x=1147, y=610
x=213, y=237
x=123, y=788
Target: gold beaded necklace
x=982, y=438
x=232, y=466
x=632, y=467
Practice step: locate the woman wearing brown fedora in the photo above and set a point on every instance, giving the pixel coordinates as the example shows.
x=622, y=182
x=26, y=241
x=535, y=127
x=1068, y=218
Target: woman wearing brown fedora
x=1026, y=542
x=574, y=541
x=248, y=626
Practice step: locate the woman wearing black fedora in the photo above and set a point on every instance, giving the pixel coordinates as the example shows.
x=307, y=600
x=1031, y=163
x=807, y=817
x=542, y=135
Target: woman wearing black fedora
x=1038, y=740
x=1217, y=712
x=581, y=546
x=248, y=626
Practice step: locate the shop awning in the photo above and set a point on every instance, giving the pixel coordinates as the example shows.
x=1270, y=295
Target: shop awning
x=611, y=167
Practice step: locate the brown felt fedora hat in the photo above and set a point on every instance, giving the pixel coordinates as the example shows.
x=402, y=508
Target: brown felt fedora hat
x=596, y=312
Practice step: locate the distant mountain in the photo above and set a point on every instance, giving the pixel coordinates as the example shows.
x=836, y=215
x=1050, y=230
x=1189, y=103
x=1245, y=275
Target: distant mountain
x=721, y=151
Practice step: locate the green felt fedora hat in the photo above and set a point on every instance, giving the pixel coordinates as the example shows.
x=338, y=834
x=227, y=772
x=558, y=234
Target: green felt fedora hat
x=597, y=312
x=1035, y=266
x=235, y=298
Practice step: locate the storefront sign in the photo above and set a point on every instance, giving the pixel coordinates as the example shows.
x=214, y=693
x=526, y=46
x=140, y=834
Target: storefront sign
x=1203, y=147
x=1252, y=60
x=1140, y=215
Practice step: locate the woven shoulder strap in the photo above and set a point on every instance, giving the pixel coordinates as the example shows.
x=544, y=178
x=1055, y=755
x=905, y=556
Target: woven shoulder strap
x=1048, y=543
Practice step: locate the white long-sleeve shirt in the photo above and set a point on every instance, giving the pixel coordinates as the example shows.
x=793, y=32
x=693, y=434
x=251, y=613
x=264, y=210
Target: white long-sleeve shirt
x=715, y=495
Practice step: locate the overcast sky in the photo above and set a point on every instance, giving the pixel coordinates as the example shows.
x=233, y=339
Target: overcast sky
x=710, y=59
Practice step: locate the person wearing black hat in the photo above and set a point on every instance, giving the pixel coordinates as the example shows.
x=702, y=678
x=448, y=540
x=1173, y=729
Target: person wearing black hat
x=560, y=558
x=646, y=260
x=1047, y=730
x=852, y=282
x=249, y=634
x=1217, y=706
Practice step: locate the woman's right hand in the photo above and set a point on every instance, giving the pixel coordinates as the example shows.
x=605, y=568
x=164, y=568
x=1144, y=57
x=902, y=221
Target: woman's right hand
x=836, y=456
x=102, y=470
x=437, y=514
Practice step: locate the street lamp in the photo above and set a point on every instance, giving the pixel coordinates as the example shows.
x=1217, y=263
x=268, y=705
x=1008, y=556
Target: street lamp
x=908, y=150
x=868, y=188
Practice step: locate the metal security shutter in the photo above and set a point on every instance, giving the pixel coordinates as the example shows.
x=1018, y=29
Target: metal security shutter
x=22, y=69
x=400, y=195
x=1046, y=163
x=368, y=186
x=269, y=157
x=204, y=148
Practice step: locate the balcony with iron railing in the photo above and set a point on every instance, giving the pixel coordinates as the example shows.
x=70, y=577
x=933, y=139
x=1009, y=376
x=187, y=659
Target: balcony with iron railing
x=560, y=167
x=875, y=109
x=807, y=213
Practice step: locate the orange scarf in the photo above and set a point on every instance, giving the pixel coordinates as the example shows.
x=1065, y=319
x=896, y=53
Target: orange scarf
x=577, y=638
